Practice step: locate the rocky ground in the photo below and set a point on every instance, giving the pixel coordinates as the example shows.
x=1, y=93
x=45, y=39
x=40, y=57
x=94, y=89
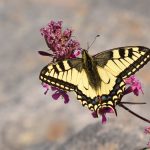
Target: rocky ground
x=29, y=120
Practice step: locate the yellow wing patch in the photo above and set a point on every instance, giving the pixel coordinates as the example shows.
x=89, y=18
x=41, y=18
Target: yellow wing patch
x=108, y=80
x=124, y=58
x=61, y=74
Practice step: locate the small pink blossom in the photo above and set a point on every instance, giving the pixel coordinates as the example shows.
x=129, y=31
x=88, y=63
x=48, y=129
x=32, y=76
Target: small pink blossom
x=134, y=85
x=59, y=93
x=148, y=144
x=147, y=130
x=75, y=54
x=94, y=114
x=67, y=34
x=102, y=112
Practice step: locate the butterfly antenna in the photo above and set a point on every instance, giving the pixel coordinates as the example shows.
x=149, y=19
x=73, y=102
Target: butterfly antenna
x=133, y=113
x=89, y=46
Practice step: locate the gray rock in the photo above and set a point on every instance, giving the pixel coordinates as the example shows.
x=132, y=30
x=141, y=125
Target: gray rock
x=101, y=137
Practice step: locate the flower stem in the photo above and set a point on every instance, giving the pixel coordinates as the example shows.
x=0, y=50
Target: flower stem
x=144, y=119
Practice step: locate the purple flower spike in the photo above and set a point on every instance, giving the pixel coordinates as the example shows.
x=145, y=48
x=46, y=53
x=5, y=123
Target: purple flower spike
x=60, y=42
x=134, y=85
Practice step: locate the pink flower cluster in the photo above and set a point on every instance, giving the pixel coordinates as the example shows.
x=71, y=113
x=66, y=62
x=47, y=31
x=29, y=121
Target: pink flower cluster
x=134, y=85
x=60, y=42
x=57, y=92
x=147, y=130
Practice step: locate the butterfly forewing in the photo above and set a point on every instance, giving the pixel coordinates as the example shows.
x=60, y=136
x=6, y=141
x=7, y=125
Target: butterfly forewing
x=125, y=60
x=119, y=63
x=62, y=74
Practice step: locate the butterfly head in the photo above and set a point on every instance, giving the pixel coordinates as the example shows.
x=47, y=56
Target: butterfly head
x=84, y=53
x=87, y=59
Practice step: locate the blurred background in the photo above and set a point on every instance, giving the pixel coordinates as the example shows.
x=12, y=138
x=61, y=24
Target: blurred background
x=30, y=120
